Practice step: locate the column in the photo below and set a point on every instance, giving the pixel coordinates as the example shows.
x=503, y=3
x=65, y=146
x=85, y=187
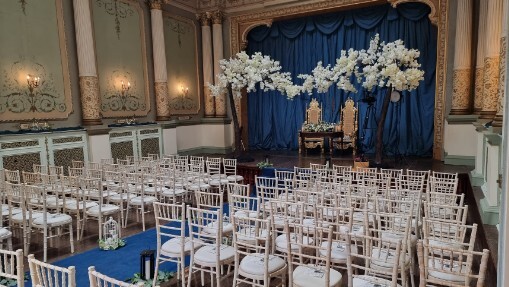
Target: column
x=461, y=93
x=499, y=117
x=491, y=58
x=208, y=77
x=89, y=83
x=160, y=72
x=479, y=63
x=217, y=36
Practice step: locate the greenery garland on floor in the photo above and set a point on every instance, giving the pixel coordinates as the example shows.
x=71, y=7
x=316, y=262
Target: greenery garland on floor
x=162, y=276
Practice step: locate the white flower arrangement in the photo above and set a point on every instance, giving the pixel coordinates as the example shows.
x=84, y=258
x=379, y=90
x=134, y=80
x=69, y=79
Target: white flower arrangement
x=382, y=64
x=244, y=71
x=320, y=127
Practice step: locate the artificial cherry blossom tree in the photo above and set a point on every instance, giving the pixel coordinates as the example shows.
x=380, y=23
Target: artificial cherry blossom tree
x=249, y=72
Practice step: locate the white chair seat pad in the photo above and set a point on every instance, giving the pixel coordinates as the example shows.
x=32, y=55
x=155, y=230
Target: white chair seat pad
x=74, y=205
x=56, y=219
x=338, y=251
x=243, y=214
x=356, y=229
x=445, y=244
x=217, y=176
x=310, y=222
x=51, y=202
x=255, y=264
x=217, y=182
x=5, y=233
x=16, y=210
x=169, y=192
x=201, y=186
x=448, y=271
x=145, y=199
x=282, y=245
x=311, y=276
x=171, y=248
x=371, y=281
x=119, y=197
x=379, y=258
x=206, y=255
x=212, y=227
x=19, y=216
x=249, y=234
x=105, y=209
x=235, y=178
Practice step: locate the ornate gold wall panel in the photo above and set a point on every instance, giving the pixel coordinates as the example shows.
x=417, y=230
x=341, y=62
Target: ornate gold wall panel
x=33, y=43
x=479, y=87
x=461, y=90
x=120, y=44
x=240, y=25
x=180, y=37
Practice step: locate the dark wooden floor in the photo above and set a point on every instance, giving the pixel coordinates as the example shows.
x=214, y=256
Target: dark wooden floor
x=59, y=247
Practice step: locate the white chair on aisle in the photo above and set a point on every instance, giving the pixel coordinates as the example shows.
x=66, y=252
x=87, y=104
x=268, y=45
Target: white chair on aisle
x=445, y=266
x=254, y=262
x=285, y=178
x=243, y=206
x=449, y=234
x=138, y=199
x=309, y=256
x=100, y=280
x=230, y=170
x=213, y=255
x=172, y=243
x=370, y=252
x=48, y=275
x=12, y=266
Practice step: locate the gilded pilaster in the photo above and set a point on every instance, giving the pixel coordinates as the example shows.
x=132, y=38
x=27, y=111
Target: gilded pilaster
x=479, y=64
x=499, y=117
x=162, y=101
x=160, y=71
x=90, y=103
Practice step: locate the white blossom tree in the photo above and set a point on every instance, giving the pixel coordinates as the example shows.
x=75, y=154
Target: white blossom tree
x=390, y=66
x=248, y=72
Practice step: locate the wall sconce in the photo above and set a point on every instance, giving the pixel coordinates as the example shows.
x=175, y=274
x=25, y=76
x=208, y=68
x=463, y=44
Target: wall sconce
x=125, y=88
x=33, y=83
x=185, y=91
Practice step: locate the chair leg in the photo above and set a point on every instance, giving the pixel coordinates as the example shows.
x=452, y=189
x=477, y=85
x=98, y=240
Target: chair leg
x=71, y=237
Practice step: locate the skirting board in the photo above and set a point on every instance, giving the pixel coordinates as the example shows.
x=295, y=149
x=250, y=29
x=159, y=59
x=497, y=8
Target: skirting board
x=489, y=214
x=459, y=160
x=476, y=179
x=205, y=150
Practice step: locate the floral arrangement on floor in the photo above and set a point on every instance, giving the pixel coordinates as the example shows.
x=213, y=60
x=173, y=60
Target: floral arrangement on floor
x=320, y=127
x=109, y=244
x=162, y=276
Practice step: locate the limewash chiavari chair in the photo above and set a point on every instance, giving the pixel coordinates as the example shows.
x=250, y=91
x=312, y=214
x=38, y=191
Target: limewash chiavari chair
x=230, y=170
x=447, y=266
x=445, y=198
x=105, y=161
x=77, y=203
x=444, y=185
x=243, y=206
x=239, y=189
x=92, y=191
x=213, y=254
x=340, y=219
x=11, y=266
x=448, y=234
x=40, y=219
x=48, y=275
x=282, y=213
x=447, y=213
x=77, y=164
x=76, y=171
x=285, y=178
x=425, y=173
x=17, y=215
x=366, y=252
x=340, y=170
x=393, y=226
x=40, y=168
x=138, y=198
x=309, y=256
x=266, y=193
x=172, y=243
x=213, y=166
x=254, y=262
x=174, y=182
x=214, y=201
x=100, y=280
x=197, y=181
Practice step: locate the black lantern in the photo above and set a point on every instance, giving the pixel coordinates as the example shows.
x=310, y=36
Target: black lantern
x=147, y=264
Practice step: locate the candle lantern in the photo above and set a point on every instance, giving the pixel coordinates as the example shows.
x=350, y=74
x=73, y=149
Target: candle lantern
x=111, y=236
x=147, y=264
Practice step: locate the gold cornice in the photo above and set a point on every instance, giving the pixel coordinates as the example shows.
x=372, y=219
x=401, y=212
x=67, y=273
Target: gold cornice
x=156, y=4
x=203, y=18
x=217, y=17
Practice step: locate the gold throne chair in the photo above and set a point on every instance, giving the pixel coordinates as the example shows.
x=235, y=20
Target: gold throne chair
x=348, y=125
x=313, y=116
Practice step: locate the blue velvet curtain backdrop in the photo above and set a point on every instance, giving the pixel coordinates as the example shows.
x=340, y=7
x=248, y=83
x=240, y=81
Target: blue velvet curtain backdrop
x=300, y=44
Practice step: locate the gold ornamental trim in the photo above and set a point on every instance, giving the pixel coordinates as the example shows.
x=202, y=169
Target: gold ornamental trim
x=461, y=91
x=478, y=90
x=217, y=17
x=491, y=82
x=156, y=5
x=162, y=101
x=210, y=106
x=90, y=99
x=204, y=19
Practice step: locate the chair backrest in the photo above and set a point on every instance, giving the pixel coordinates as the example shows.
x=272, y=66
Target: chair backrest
x=230, y=166
x=170, y=222
x=40, y=168
x=203, y=226
x=314, y=112
x=12, y=176
x=55, y=170
x=239, y=189
x=445, y=198
x=437, y=264
x=209, y=200
x=448, y=213
x=448, y=233
x=31, y=177
x=77, y=164
x=348, y=123
x=213, y=165
x=243, y=206
x=48, y=275
x=99, y=280
x=252, y=235
x=367, y=254
x=11, y=266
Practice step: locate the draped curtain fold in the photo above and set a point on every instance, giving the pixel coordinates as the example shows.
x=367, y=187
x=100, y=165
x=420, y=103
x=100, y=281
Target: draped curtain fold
x=299, y=44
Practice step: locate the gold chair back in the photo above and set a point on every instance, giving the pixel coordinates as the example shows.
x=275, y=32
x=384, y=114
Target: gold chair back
x=348, y=122
x=314, y=112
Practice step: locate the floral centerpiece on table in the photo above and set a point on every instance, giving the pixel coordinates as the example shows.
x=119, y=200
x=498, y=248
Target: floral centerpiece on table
x=320, y=127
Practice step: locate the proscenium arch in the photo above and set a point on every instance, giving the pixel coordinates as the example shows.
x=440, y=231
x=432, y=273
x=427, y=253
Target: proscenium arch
x=240, y=25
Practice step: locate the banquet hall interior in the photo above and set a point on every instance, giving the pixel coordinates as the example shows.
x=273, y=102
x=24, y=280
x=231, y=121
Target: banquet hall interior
x=254, y=143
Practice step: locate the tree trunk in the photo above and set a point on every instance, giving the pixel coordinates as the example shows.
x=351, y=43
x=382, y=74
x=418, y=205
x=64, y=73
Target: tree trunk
x=235, y=119
x=380, y=129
